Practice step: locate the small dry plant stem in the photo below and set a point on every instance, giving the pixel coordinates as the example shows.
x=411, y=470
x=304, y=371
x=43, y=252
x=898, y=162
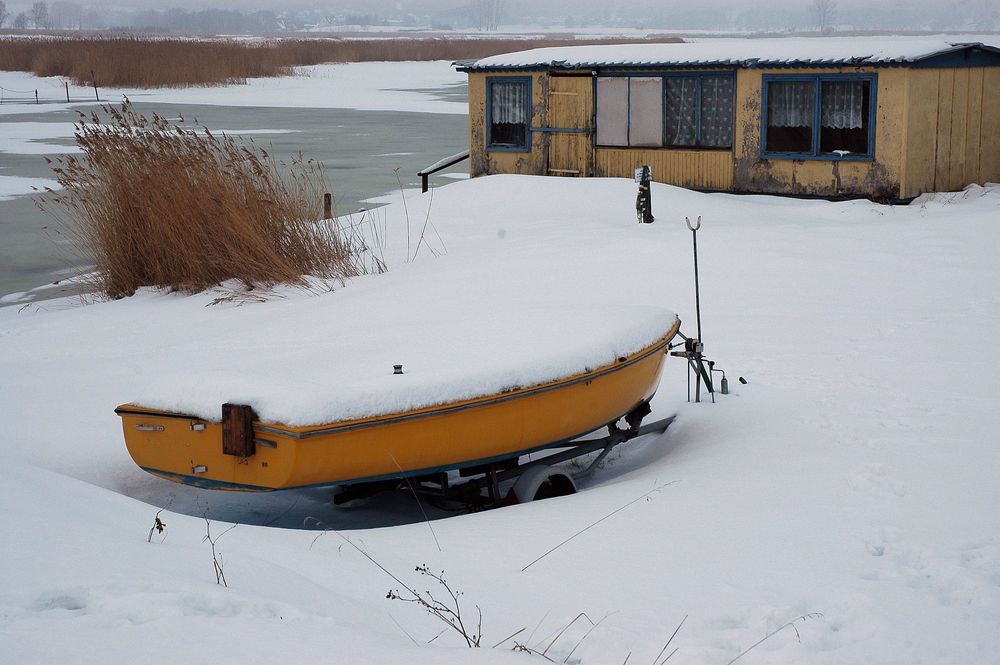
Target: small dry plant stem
x=448, y=612
x=159, y=526
x=406, y=212
x=657, y=661
x=217, y=561
x=595, y=523
x=416, y=497
x=449, y=615
x=790, y=624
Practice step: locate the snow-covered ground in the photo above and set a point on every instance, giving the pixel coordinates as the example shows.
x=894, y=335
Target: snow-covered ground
x=854, y=478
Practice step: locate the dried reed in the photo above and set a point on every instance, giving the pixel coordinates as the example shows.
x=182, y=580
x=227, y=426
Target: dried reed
x=147, y=63
x=155, y=204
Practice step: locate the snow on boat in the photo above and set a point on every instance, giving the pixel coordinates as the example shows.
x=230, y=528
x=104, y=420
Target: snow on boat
x=242, y=453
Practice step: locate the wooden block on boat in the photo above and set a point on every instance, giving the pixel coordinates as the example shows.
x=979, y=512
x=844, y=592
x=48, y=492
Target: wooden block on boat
x=237, y=430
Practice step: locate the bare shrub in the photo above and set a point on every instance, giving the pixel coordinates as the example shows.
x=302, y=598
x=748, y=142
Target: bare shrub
x=155, y=204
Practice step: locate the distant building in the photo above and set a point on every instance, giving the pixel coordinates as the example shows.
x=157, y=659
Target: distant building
x=884, y=118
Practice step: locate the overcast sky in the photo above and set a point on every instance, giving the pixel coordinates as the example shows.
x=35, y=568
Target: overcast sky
x=771, y=15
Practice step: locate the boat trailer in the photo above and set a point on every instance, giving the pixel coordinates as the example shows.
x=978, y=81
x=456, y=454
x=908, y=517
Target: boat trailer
x=534, y=479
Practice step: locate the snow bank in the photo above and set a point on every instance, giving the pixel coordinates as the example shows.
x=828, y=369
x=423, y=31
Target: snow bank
x=855, y=475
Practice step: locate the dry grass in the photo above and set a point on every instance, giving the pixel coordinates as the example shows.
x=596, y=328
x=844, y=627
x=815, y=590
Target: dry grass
x=149, y=63
x=155, y=204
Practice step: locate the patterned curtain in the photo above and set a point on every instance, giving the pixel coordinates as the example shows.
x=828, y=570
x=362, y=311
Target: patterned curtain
x=790, y=103
x=681, y=119
x=717, y=101
x=510, y=102
x=841, y=104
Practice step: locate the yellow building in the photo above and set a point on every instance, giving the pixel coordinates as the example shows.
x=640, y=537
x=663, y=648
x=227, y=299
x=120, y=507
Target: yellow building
x=880, y=117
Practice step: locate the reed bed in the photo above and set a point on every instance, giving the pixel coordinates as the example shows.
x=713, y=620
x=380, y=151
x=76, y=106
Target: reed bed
x=151, y=63
x=155, y=204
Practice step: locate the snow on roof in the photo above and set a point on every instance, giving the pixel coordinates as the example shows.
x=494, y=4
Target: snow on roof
x=743, y=52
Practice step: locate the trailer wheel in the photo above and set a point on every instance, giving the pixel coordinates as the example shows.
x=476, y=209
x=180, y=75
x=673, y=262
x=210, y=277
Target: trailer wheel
x=542, y=482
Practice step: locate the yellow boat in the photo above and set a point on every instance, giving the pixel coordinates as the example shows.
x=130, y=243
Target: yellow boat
x=241, y=453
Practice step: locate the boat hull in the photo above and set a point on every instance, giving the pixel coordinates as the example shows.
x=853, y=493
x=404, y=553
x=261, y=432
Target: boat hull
x=190, y=450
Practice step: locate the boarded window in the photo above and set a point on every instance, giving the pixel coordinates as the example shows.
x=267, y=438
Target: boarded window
x=645, y=111
x=839, y=126
x=612, y=110
x=509, y=113
x=676, y=111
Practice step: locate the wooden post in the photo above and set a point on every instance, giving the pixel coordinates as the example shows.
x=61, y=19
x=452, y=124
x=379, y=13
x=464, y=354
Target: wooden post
x=423, y=183
x=67, y=91
x=36, y=96
x=93, y=78
x=327, y=206
x=237, y=430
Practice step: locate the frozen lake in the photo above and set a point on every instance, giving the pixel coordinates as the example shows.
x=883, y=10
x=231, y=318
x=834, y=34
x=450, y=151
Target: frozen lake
x=360, y=149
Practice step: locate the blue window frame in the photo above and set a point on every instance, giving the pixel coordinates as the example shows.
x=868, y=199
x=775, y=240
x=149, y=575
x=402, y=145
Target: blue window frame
x=823, y=116
x=508, y=113
x=695, y=110
x=699, y=110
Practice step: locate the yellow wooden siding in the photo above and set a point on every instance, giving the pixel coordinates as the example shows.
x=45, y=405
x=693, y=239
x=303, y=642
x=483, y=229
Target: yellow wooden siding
x=696, y=169
x=953, y=123
x=570, y=106
x=921, y=131
x=973, y=126
x=483, y=161
x=935, y=129
x=878, y=179
x=989, y=148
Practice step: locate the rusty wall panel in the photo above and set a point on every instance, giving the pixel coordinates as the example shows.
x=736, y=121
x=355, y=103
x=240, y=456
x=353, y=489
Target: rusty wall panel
x=485, y=162
x=876, y=179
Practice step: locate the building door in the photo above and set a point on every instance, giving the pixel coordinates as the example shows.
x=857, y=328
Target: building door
x=570, y=131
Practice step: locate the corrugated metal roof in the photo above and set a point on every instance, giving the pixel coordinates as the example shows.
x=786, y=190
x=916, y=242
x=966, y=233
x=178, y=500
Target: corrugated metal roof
x=774, y=52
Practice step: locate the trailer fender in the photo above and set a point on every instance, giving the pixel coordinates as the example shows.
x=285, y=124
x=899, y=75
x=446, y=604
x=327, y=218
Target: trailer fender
x=542, y=482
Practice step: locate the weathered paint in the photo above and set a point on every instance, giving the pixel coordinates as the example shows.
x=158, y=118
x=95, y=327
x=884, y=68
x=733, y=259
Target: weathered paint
x=952, y=128
x=935, y=129
x=570, y=107
x=878, y=178
x=484, y=162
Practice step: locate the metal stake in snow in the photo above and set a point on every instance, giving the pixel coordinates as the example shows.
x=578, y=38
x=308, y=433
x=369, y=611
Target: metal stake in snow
x=694, y=348
x=697, y=292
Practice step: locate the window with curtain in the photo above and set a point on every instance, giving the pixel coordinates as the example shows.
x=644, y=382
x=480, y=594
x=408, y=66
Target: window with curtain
x=675, y=111
x=509, y=113
x=699, y=111
x=819, y=116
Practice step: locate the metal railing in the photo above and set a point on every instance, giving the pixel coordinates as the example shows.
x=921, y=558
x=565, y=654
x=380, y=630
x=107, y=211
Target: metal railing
x=440, y=165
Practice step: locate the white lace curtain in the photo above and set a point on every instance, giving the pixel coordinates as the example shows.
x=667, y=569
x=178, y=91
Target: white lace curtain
x=717, y=112
x=841, y=104
x=510, y=103
x=681, y=104
x=792, y=104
